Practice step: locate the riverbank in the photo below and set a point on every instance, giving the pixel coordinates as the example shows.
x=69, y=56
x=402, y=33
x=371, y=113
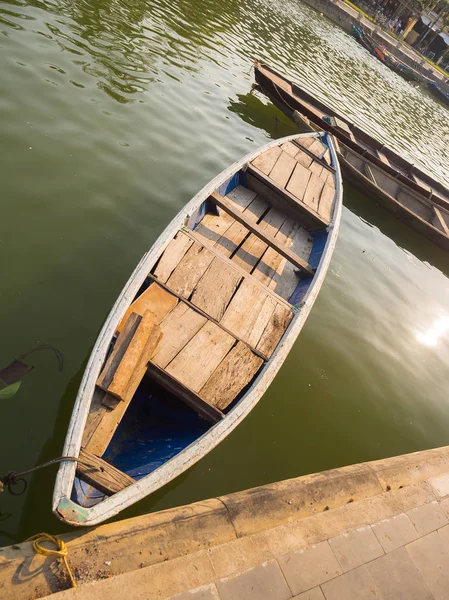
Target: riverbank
x=380, y=524
x=346, y=16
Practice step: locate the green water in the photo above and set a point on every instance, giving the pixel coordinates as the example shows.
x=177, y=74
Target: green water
x=113, y=114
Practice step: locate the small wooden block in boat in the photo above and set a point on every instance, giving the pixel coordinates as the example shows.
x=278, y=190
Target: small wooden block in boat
x=121, y=346
x=177, y=328
x=190, y=269
x=283, y=169
x=100, y=474
x=215, y=288
x=131, y=369
x=156, y=299
x=175, y=250
x=199, y=358
x=234, y=372
x=165, y=380
x=271, y=241
x=266, y=161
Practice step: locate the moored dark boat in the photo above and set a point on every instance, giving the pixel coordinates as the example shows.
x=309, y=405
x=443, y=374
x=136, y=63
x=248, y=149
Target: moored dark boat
x=439, y=91
x=299, y=105
x=416, y=207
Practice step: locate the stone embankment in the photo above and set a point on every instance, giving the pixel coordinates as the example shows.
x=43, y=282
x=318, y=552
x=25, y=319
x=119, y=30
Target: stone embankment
x=379, y=527
x=346, y=16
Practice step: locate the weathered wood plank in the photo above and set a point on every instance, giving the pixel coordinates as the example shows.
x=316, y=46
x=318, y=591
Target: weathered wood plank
x=265, y=314
x=303, y=158
x=368, y=172
x=290, y=149
x=317, y=148
x=439, y=220
x=330, y=180
x=313, y=191
x=132, y=367
x=196, y=309
x=177, y=328
x=105, y=429
x=231, y=376
x=190, y=269
x=249, y=253
x=315, y=167
x=275, y=329
x=156, y=299
x=266, y=161
x=298, y=181
x=120, y=347
x=261, y=233
x=383, y=158
x=213, y=227
x=326, y=201
x=96, y=413
x=171, y=257
x=100, y=474
x=195, y=363
x=215, y=288
x=283, y=169
x=203, y=408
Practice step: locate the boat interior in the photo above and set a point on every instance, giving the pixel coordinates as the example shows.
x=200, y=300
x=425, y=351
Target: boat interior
x=208, y=316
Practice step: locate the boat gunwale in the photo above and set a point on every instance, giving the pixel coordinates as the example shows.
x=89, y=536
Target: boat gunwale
x=78, y=515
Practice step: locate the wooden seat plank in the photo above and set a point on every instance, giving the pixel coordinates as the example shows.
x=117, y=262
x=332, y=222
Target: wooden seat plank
x=235, y=371
x=177, y=328
x=266, y=161
x=215, y=288
x=313, y=191
x=282, y=170
x=274, y=330
x=100, y=474
x=326, y=201
x=199, y=358
x=298, y=181
x=190, y=269
x=171, y=256
x=165, y=380
x=156, y=299
x=263, y=235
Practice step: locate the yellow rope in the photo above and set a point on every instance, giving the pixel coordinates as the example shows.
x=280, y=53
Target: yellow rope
x=61, y=552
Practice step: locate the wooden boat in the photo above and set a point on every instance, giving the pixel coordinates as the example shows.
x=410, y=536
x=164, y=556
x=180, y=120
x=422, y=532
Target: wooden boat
x=302, y=107
x=413, y=204
x=439, y=91
x=202, y=326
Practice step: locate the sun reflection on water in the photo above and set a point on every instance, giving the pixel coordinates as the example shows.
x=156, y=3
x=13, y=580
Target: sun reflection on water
x=433, y=335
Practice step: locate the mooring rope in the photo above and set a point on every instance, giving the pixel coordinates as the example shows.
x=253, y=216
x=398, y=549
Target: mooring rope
x=61, y=552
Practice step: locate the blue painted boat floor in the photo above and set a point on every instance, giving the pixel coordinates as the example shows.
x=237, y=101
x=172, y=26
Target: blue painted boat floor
x=155, y=428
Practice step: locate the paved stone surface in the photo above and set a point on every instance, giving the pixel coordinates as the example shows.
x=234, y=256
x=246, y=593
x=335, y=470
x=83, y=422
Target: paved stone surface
x=310, y=567
x=427, y=518
x=315, y=594
x=264, y=582
x=398, y=578
x=395, y=532
x=356, y=584
x=440, y=485
x=356, y=548
x=431, y=556
x=207, y=592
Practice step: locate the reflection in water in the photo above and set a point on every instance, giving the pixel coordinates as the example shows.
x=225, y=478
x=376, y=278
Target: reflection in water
x=114, y=115
x=432, y=336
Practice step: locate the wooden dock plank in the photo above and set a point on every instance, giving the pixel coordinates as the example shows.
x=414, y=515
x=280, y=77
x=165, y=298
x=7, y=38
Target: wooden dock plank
x=275, y=329
x=282, y=170
x=263, y=235
x=266, y=161
x=231, y=376
x=156, y=299
x=313, y=191
x=132, y=367
x=177, y=328
x=175, y=387
x=215, y=288
x=298, y=181
x=171, y=257
x=326, y=201
x=196, y=362
x=100, y=474
x=190, y=269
